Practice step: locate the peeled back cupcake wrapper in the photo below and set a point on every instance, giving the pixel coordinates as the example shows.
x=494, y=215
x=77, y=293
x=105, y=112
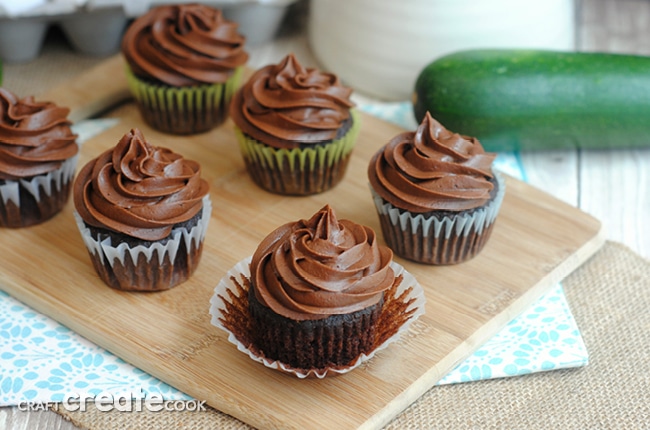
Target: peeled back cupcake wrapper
x=10, y=190
x=300, y=158
x=118, y=253
x=460, y=225
x=225, y=293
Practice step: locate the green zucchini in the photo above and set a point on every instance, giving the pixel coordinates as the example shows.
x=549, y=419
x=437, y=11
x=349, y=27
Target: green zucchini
x=512, y=99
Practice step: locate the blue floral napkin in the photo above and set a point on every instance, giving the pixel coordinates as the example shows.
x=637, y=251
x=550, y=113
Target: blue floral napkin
x=41, y=360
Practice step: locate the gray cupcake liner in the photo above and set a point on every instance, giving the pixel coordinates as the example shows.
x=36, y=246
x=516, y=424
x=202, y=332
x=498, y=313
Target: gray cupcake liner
x=116, y=253
x=438, y=240
x=46, y=183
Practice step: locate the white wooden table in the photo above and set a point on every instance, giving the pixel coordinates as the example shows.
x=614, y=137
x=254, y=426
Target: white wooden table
x=612, y=185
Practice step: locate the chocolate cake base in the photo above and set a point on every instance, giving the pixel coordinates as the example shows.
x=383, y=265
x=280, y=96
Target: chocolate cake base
x=142, y=274
x=431, y=249
x=31, y=211
x=288, y=181
x=182, y=121
x=183, y=110
x=411, y=240
x=337, y=340
x=310, y=168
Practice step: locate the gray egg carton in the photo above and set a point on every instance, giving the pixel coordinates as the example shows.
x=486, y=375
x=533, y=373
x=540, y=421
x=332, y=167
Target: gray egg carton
x=95, y=27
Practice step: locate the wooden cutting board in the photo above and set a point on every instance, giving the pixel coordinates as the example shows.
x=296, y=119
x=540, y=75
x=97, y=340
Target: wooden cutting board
x=536, y=242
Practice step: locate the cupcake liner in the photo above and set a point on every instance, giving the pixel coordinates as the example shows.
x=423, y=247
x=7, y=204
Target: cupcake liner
x=152, y=267
x=29, y=201
x=229, y=310
x=438, y=240
x=183, y=110
x=298, y=171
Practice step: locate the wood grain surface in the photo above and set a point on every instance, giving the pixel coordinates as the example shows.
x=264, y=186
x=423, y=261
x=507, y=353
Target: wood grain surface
x=536, y=242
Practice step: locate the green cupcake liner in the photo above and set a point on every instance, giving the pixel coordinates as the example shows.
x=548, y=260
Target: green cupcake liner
x=321, y=154
x=184, y=110
x=298, y=171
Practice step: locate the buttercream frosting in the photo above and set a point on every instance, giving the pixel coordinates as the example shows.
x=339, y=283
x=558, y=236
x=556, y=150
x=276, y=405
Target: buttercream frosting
x=138, y=189
x=432, y=169
x=35, y=137
x=182, y=45
x=286, y=105
x=311, y=269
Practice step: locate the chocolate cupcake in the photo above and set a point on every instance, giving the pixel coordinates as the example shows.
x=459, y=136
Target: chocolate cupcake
x=296, y=128
x=38, y=159
x=436, y=194
x=184, y=62
x=317, y=290
x=319, y=297
x=143, y=213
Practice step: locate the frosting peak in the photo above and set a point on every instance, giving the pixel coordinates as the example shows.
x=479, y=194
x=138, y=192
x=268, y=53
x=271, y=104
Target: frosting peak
x=311, y=269
x=286, y=105
x=138, y=189
x=35, y=137
x=183, y=45
x=432, y=169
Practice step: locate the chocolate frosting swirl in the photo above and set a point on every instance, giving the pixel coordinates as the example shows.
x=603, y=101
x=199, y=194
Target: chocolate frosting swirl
x=432, y=169
x=311, y=269
x=35, y=137
x=286, y=105
x=138, y=189
x=184, y=45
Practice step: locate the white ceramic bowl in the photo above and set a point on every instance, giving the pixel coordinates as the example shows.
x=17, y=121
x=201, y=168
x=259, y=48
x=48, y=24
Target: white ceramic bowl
x=379, y=46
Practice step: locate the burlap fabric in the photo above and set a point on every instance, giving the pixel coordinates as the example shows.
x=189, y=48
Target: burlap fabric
x=609, y=296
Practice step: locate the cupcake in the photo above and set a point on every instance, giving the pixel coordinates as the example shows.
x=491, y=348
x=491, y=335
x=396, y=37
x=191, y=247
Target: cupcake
x=143, y=212
x=317, y=290
x=318, y=297
x=38, y=159
x=436, y=194
x=296, y=128
x=183, y=64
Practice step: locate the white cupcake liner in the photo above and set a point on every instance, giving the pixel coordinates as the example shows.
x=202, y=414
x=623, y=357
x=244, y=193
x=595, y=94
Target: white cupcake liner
x=227, y=287
x=47, y=183
x=105, y=251
x=460, y=225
